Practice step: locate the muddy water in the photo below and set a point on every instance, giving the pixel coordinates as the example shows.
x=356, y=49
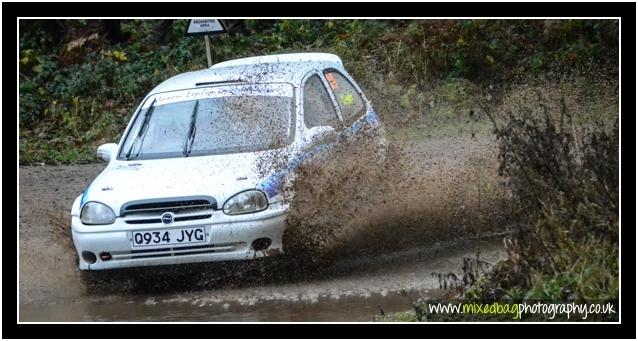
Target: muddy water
x=355, y=289
x=384, y=264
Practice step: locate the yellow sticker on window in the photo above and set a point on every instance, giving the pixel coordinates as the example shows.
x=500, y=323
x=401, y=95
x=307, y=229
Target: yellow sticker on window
x=347, y=99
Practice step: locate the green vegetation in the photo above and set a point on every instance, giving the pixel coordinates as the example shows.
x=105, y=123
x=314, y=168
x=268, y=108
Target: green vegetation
x=562, y=171
x=564, y=176
x=80, y=80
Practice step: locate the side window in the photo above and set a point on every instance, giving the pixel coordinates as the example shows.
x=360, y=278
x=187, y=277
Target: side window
x=350, y=102
x=317, y=106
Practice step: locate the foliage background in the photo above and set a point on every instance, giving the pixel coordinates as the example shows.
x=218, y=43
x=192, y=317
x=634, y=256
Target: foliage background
x=80, y=80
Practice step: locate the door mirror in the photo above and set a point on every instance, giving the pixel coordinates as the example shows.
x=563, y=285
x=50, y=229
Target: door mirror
x=316, y=133
x=320, y=135
x=107, y=151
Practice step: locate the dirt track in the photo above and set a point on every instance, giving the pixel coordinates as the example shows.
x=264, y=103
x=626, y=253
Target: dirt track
x=453, y=192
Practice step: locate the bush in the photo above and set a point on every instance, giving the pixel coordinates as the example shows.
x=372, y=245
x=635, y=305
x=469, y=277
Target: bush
x=567, y=188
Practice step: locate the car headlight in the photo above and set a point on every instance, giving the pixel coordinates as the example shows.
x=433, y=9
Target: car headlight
x=249, y=201
x=96, y=213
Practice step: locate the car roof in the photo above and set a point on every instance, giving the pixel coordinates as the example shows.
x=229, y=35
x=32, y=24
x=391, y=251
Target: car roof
x=288, y=68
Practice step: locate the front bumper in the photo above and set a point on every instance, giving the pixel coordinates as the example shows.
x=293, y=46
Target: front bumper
x=227, y=238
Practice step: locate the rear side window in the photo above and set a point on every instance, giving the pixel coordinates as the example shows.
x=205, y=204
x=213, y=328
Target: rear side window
x=350, y=102
x=317, y=106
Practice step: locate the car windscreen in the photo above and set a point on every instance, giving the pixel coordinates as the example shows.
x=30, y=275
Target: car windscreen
x=214, y=120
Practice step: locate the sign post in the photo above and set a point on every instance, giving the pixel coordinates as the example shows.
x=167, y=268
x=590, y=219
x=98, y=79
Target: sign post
x=208, y=57
x=205, y=27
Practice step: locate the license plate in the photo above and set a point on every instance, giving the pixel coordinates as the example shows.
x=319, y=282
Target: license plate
x=191, y=235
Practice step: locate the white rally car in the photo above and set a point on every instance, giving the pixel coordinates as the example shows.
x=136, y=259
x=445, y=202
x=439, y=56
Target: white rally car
x=187, y=181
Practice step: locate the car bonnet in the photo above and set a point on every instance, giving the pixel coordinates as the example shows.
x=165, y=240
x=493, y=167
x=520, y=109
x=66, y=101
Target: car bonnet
x=218, y=176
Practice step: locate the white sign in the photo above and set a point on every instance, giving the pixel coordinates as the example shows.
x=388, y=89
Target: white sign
x=205, y=27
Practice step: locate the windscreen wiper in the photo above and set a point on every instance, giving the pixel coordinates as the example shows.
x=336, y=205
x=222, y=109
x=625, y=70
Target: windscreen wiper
x=188, y=144
x=142, y=131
